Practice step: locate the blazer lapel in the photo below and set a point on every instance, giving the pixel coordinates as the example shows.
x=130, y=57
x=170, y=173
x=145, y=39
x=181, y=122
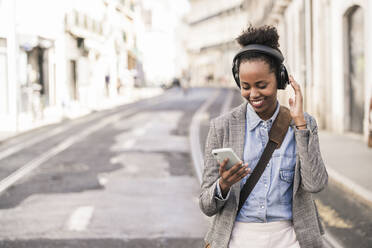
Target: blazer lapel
x=237, y=134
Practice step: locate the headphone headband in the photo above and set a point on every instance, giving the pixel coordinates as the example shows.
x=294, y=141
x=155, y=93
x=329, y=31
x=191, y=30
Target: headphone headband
x=260, y=49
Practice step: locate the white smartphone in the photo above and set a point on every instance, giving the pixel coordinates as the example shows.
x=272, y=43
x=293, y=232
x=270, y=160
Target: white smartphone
x=222, y=153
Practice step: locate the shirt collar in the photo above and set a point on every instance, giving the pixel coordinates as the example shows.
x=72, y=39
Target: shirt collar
x=253, y=120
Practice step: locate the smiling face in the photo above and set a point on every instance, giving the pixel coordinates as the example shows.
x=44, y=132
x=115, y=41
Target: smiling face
x=258, y=85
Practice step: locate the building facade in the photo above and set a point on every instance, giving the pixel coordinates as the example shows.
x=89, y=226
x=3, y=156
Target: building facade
x=62, y=57
x=325, y=46
x=212, y=29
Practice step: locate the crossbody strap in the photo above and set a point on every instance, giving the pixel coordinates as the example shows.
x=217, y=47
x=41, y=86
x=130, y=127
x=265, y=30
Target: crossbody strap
x=276, y=136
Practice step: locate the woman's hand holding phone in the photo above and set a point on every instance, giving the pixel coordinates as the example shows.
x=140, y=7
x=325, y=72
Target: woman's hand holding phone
x=228, y=177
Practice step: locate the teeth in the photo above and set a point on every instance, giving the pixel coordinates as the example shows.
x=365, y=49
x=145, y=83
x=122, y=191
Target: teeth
x=256, y=103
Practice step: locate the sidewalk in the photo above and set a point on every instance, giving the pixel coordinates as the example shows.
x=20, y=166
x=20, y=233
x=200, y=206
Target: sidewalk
x=349, y=163
x=129, y=95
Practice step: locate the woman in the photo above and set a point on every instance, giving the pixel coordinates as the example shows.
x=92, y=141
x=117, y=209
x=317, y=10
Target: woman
x=280, y=211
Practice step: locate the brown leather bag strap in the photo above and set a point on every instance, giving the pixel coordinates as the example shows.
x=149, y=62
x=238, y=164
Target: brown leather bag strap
x=276, y=136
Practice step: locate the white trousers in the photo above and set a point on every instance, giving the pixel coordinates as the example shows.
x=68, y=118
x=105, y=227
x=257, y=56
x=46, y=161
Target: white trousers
x=278, y=234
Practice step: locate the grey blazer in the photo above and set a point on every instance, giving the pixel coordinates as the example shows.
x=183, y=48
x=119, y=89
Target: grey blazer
x=310, y=177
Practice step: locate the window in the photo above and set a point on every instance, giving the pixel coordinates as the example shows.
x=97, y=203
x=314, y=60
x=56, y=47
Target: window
x=3, y=78
x=354, y=85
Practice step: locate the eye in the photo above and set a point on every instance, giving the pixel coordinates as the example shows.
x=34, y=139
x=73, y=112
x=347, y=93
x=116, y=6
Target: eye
x=246, y=86
x=261, y=85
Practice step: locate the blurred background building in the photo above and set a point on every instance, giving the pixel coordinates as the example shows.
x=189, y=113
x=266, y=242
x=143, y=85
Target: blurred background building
x=212, y=29
x=62, y=58
x=62, y=55
x=162, y=40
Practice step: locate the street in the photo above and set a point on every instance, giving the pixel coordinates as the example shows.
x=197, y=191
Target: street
x=125, y=178
x=121, y=178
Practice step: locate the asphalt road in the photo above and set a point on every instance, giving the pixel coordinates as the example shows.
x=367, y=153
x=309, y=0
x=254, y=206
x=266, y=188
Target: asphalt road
x=119, y=178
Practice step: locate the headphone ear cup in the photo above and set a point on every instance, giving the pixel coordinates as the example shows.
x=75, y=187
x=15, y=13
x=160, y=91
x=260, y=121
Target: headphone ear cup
x=283, y=78
x=235, y=72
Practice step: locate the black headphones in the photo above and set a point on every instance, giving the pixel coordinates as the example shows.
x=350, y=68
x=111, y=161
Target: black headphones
x=282, y=75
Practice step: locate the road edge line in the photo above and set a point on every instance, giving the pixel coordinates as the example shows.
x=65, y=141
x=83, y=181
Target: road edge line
x=11, y=179
x=330, y=240
x=227, y=103
x=194, y=129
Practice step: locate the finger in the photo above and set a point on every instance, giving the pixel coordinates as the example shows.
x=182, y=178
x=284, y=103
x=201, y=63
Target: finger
x=298, y=93
x=297, y=89
x=238, y=174
x=235, y=168
x=223, y=164
x=245, y=173
x=295, y=85
x=222, y=168
x=290, y=102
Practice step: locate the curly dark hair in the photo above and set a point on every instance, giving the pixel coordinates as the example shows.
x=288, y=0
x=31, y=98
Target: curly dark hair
x=263, y=35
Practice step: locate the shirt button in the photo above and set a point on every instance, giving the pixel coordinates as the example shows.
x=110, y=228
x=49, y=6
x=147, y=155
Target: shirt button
x=265, y=185
x=262, y=206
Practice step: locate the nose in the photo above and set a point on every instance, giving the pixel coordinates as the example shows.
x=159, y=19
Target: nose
x=254, y=93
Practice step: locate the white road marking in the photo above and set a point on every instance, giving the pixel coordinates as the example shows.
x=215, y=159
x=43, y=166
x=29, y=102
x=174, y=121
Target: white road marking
x=33, y=164
x=80, y=218
x=139, y=131
x=27, y=168
x=129, y=143
x=102, y=179
x=22, y=145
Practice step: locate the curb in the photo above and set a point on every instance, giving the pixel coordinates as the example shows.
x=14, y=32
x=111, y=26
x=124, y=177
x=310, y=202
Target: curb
x=330, y=241
x=196, y=153
x=121, y=100
x=346, y=184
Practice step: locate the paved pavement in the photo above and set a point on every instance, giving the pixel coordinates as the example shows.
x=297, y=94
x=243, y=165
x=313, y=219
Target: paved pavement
x=349, y=163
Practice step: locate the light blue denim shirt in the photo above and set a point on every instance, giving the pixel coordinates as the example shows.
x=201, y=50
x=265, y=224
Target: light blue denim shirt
x=271, y=198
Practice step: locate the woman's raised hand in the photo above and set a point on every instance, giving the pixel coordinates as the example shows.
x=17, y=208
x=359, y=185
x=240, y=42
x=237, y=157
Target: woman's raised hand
x=296, y=105
x=232, y=175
